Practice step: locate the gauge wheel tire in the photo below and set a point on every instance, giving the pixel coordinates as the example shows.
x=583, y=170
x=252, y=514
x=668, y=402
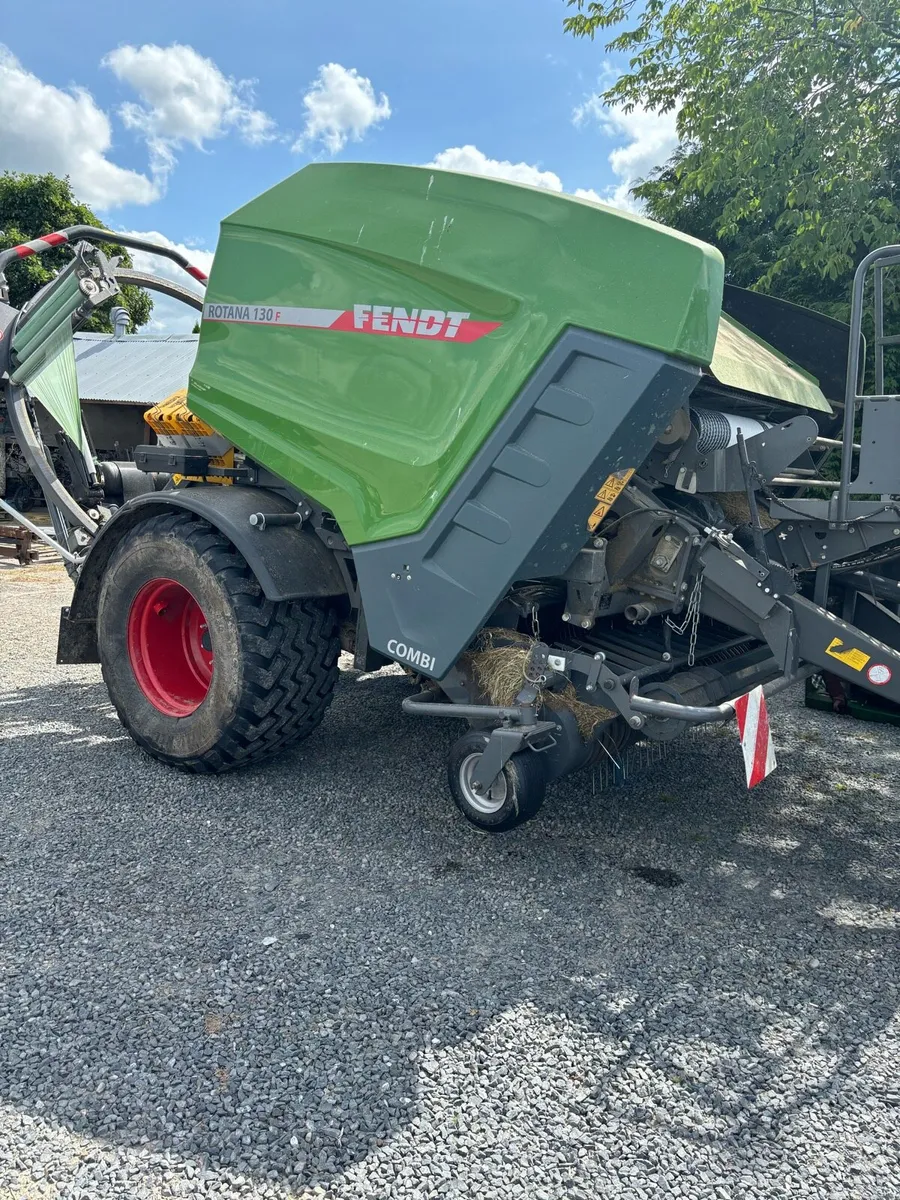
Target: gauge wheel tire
x=515, y=796
x=205, y=673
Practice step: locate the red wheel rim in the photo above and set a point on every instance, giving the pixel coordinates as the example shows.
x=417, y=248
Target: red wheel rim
x=169, y=647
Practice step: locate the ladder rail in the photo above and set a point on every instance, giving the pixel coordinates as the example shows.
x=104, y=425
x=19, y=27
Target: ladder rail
x=880, y=259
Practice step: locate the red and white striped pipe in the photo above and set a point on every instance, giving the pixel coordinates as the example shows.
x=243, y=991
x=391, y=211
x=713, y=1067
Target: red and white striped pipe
x=90, y=233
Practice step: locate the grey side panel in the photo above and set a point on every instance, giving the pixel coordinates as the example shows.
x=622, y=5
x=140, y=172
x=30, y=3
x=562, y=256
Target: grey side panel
x=594, y=405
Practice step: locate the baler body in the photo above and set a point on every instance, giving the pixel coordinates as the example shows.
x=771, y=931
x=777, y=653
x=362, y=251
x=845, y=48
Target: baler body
x=366, y=326
x=437, y=418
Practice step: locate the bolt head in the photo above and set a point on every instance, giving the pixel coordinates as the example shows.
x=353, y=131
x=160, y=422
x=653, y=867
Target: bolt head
x=896, y=532
x=608, y=685
x=585, y=624
x=667, y=657
x=635, y=722
x=567, y=616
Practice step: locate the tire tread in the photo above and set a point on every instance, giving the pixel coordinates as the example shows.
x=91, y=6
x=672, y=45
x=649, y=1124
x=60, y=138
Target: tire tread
x=290, y=650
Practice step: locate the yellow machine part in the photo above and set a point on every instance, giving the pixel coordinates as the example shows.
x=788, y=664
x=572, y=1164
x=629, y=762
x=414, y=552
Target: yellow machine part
x=172, y=418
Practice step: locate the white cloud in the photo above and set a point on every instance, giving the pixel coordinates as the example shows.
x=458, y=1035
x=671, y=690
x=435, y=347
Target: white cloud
x=649, y=138
x=341, y=106
x=472, y=161
x=46, y=129
x=170, y=316
x=185, y=99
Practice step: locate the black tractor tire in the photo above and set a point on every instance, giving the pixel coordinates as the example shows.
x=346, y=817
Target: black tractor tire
x=515, y=796
x=231, y=678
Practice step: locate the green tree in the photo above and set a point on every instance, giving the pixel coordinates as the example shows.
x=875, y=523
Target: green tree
x=787, y=115
x=31, y=205
x=751, y=248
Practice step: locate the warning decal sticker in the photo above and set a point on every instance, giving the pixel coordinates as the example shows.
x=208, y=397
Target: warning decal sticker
x=608, y=495
x=854, y=659
x=879, y=674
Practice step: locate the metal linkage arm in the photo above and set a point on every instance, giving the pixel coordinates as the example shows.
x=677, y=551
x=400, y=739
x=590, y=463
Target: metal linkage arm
x=91, y=233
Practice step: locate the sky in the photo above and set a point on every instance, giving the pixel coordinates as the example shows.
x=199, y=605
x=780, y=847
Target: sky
x=168, y=117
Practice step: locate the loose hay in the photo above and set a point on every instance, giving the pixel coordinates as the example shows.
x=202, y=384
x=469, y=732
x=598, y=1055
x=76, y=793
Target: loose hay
x=499, y=672
x=737, y=510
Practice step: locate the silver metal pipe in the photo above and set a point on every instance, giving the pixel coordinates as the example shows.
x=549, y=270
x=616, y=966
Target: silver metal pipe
x=419, y=706
x=833, y=443
x=697, y=714
x=886, y=256
x=801, y=481
x=75, y=559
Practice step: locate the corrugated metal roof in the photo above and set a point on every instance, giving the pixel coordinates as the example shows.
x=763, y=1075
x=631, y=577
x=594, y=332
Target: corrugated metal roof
x=134, y=369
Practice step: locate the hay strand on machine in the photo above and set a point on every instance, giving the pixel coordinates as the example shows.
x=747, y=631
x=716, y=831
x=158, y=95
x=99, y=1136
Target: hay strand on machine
x=498, y=664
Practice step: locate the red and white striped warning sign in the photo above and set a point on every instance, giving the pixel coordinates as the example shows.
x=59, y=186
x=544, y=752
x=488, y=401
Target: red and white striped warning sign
x=756, y=737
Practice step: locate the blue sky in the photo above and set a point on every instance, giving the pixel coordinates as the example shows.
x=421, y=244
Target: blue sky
x=169, y=116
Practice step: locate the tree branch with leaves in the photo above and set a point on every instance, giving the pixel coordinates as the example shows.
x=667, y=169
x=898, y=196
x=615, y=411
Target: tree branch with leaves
x=787, y=117
x=32, y=205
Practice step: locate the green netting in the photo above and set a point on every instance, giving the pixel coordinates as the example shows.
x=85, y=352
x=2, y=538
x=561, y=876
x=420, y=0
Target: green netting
x=55, y=383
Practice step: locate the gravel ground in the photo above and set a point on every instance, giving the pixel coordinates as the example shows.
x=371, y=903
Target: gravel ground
x=314, y=979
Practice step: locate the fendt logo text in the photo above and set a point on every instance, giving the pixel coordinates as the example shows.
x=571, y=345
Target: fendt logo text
x=414, y=322
x=427, y=324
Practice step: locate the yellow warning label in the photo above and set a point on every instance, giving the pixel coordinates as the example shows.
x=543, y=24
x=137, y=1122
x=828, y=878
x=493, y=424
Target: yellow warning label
x=608, y=495
x=854, y=659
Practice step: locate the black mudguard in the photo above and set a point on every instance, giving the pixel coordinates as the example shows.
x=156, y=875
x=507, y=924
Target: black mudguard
x=289, y=561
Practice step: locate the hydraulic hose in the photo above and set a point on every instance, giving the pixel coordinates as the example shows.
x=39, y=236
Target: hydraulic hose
x=54, y=492
x=155, y=283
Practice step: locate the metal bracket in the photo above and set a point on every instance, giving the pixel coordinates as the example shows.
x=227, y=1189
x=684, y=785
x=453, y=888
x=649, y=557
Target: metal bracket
x=599, y=677
x=503, y=743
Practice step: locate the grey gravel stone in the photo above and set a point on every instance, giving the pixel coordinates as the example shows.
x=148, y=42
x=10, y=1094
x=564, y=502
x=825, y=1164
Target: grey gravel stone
x=312, y=979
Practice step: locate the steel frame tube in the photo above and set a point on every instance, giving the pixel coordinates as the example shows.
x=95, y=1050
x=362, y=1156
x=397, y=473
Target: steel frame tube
x=42, y=534
x=418, y=706
x=696, y=714
x=886, y=256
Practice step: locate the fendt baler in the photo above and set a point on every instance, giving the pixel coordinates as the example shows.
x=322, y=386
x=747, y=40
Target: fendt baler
x=503, y=437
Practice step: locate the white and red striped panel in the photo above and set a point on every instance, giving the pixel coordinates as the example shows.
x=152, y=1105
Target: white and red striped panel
x=427, y=323
x=756, y=737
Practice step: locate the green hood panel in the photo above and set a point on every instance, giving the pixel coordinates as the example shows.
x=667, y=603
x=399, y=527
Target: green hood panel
x=741, y=360
x=468, y=281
